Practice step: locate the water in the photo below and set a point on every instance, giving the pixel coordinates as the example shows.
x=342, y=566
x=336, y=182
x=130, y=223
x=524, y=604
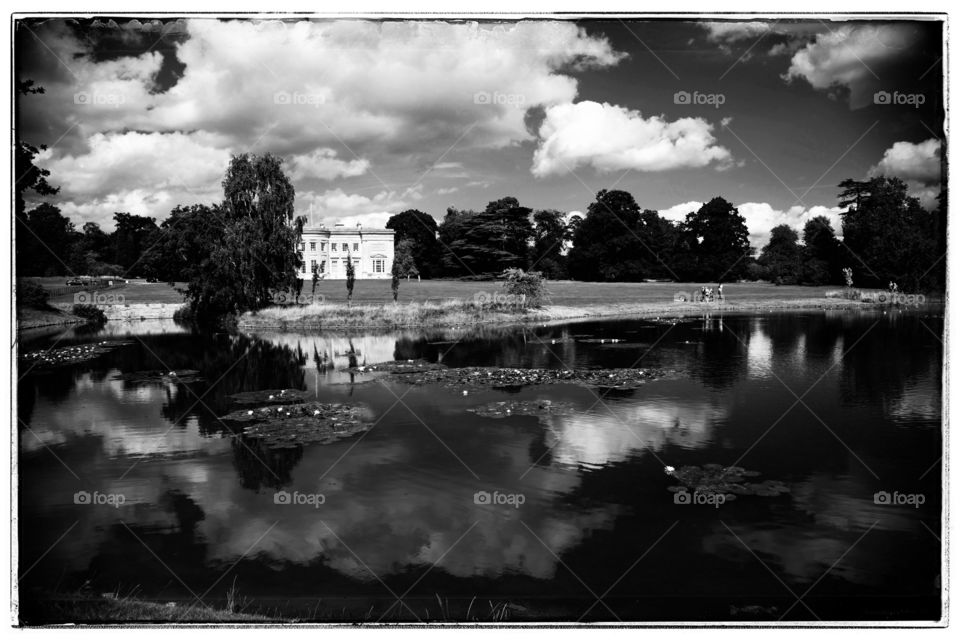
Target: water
x=838, y=405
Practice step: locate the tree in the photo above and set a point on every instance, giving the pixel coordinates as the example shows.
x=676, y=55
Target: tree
x=782, y=256
x=420, y=230
x=486, y=242
x=717, y=242
x=254, y=248
x=184, y=245
x=44, y=242
x=403, y=261
x=351, y=277
x=133, y=236
x=395, y=279
x=606, y=245
x=314, y=277
x=550, y=233
x=890, y=236
x=821, y=252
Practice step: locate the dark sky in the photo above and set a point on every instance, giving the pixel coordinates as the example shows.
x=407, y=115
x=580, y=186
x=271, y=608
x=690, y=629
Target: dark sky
x=376, y=117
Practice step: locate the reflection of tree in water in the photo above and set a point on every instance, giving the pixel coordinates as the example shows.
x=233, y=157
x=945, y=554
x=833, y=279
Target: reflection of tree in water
x=229, y=365
x=262, y=467
x=719, y=359
x=897, y=352
x=122, y=561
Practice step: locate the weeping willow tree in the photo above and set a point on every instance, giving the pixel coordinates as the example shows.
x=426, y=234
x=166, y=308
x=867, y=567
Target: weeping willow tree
x=252, y=243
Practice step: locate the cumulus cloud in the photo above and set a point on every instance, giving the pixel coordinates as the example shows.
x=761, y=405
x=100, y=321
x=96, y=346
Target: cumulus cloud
x=735, y=31
x=762, y=217
x=917, y=164
x=336, y=203
x=390, y=91
x=851, y=57
x=610, y=138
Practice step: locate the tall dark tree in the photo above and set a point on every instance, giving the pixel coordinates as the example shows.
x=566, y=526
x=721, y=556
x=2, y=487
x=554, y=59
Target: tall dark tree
x=420, y=229
x=550, y=233
x=606, y=243
x=717, y=241
x=132, y=237
x=44, y=241
x=821, y=253
x=890, y=237
x=782, y=257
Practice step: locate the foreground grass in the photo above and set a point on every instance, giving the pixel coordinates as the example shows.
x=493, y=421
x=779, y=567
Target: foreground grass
x=105, y=610
x=33, y=318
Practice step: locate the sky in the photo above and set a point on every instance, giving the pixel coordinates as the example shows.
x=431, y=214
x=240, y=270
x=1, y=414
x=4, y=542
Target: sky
x=375, y=117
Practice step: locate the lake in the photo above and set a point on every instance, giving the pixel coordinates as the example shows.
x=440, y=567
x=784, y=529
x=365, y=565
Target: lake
x=438, y=513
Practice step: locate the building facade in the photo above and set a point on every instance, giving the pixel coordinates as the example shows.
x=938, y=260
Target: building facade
x=370, y=250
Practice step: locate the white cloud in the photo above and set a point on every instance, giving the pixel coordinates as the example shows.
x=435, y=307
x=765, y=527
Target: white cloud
x=324, y=164
x=919, y=162
x=336, y=204
x=850, y=56
x=761, y=217
x=610, y=138
x=140, y=173
x=918, y=165
x=734, y=31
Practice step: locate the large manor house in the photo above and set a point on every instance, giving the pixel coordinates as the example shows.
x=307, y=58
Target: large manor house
x=371, y=251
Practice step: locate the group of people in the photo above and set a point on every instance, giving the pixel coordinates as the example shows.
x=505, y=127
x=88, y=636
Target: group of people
x=893, y=287
x=707, y=294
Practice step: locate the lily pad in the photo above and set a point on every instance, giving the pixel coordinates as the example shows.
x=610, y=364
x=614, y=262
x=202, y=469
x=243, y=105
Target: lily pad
x=522, y=408
x=270, y=396
x=288, y=426
x=502, y=378
x=717, y=479
x=397, y=366
x=177, y=376
x=65, y=356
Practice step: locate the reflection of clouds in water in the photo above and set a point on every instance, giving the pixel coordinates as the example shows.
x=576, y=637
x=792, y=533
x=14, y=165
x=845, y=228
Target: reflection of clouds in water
x=759, y=352
x=126, y=418
x=599, y=438
x=920, y=400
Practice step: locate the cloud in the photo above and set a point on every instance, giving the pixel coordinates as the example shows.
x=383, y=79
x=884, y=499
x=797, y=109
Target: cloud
x=917, y=164
x=728, y=32
x=325, y=165
x=761, y=217
x=334, y=204
x=611, y=138
x=407, y=92
x=140, y=173
x=851, y=57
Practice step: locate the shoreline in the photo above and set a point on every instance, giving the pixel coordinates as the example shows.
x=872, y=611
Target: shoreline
x=311, y=320
x=38, y=318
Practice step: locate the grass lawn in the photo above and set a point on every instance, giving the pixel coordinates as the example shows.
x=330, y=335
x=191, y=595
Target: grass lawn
x=562, y=292
x=134, y=292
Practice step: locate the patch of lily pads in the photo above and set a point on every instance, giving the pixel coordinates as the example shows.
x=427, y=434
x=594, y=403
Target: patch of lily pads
x=294, y=425
x=506, y=378
x=509, y=408
x=270, y=396
x=730, y=481
x=75, y=354
x=397, y=366
x=177, y=376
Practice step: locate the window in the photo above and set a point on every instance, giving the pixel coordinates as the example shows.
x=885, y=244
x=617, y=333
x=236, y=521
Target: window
x=313, y=265
x=302, y=246
x=379, y=265
x=303, y=265
x=346, y=247
x=356, y=246
x=323, y=246
x=313, y=246
x=333, y=247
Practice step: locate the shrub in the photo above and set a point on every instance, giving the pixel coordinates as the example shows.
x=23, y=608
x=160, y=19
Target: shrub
x=526, y=285
x=90, y=313
x=32, y=295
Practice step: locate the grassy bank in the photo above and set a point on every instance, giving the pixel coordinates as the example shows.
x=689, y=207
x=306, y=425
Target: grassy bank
x=464, y=313
x=106, y=610
x=34, y=318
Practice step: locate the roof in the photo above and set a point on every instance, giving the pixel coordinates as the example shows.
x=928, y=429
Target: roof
x=349, y=231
